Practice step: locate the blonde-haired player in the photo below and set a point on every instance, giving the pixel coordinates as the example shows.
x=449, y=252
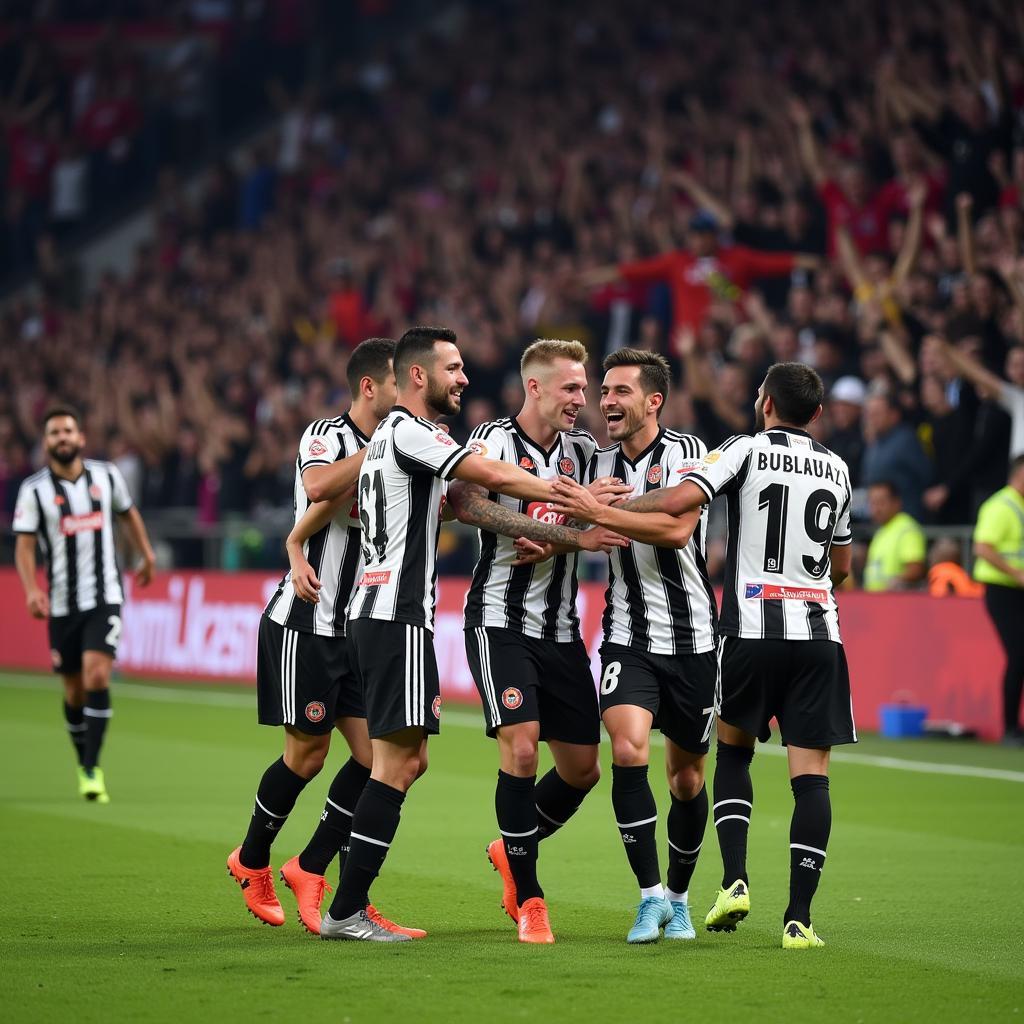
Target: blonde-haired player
x=522, y=630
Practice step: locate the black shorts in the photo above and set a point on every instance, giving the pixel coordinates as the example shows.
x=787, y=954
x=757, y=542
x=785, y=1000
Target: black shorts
x=304, y=680
x=679, y=690
x=805, y=684
x=396, y=665
x=98, y=629
x=523, y=679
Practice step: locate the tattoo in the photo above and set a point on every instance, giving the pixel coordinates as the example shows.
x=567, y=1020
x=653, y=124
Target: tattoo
x=653, y=501
x=474, y=507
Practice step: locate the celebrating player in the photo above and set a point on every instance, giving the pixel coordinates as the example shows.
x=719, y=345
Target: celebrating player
x=402, y=486
x=522, y=628
x=69, y=506
x=304, y=678
x=781, y=654
x=658, y=665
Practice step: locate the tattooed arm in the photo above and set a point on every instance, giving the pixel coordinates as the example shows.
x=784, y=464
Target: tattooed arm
x=472, y=506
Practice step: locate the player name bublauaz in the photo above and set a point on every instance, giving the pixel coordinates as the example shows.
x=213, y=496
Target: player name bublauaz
x=802, y=465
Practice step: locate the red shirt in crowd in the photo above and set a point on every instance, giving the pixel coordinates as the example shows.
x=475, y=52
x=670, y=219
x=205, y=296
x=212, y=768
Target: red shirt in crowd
x=31, y=160
x=697, y=281
x=106, y=120
x=868, y=224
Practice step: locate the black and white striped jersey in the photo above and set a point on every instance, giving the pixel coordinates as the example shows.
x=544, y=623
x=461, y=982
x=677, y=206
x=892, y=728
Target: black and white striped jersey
x=334, y=552
x=535, y=600
x=789, y=501
x=402, y=488
x=658, y=599
x=73, y=521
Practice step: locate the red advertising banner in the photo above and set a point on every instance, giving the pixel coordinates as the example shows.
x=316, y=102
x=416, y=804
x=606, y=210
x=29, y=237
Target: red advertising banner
x=941, y=653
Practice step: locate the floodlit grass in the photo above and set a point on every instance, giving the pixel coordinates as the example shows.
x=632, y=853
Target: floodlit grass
x=125, y=912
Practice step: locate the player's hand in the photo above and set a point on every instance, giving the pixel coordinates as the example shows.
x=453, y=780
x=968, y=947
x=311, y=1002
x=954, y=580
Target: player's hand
x=601, y=539
x=574, y=500
x=305, y=582
x=529, y=552
x=609, y=489
x=144, y=573
x=38, y=604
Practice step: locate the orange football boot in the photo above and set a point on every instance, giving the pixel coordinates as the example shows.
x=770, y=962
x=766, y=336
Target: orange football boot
x=534, y=925
x=499, y=861
x=308, y=890
x=378, y=918
x=258, y=890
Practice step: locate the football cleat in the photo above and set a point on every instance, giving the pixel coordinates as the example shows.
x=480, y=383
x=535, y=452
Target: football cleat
x=800, y=936
x=499, y=861
x=92, y=785
x=257, y=889
x=730, y=907
x=308, y=890
x=378, y=918
x=534, y=925
x=653, y=913
x=359, y=928
x=680, y=927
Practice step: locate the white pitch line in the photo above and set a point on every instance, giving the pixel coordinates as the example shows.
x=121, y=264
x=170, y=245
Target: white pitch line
x=190, y=694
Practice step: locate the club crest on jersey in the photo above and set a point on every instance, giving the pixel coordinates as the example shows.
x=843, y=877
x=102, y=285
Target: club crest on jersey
x=526, y=463
x=654, y=475
x=567, y=466
x=95, y=492
x=317, y=448
x=58, y=500
x=436, y=707
x=478, y=447
x=445, y=439
x=315, y=711
x=512, y=698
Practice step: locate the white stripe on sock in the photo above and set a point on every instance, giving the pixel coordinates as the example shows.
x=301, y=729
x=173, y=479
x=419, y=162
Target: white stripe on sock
x=633, y=824
x=731, y=817
x=271, y=813
x=722, y=803
x=810, y=849
x=337, y=807
x=369, y=839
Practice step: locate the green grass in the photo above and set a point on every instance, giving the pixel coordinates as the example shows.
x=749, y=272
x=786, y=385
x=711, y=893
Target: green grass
x=126, y=913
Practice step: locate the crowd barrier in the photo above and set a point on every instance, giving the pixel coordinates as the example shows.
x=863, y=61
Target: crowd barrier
x=201, y=626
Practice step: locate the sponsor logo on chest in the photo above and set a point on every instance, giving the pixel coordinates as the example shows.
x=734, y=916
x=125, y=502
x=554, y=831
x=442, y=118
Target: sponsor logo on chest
x=88, y=523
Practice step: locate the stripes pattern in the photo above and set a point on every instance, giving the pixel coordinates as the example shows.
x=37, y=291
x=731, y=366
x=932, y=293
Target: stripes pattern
x=634, y=824
x=289, y=646
x=533, y=600
x=732, y=817
x=658, y=600
x=483, y=648
x=414, y=675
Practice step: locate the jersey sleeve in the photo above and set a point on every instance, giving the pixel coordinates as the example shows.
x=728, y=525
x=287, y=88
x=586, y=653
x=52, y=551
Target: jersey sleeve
x=488, y=440
x=318, y=446
x=720, y=469
x=423, y=449
x=991, y=527
x=120, y=496
x=26, y=511
x=843, y=533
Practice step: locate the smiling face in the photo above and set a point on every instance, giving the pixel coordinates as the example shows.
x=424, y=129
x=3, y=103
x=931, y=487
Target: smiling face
x=445, y=380
x=558, y=390
x=63, y=439
x=626, y=407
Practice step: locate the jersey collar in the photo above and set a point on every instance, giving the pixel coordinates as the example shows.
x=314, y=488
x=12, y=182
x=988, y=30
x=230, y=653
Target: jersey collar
x=355, y=428
x=788, y=430
x=633, y=463
x=548, y=452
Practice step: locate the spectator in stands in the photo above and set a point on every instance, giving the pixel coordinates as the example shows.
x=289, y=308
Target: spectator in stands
x=843, y=432
x=946, y=575
x=999, y=564
x=896, y=554
x=893, y=453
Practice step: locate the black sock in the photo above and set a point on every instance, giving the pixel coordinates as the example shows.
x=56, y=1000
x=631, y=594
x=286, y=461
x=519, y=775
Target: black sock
x=687, y=820
x=636, y=815
x=734, y=801
x=808, y=840
x=331, y=835
x=516, y=809
x=556, y=802
x=75, y=719
x=279, y=789
x=97, y=713
x=374, y=825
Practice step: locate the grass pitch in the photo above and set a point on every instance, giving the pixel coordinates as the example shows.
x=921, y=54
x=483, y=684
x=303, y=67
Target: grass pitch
x=126, y=913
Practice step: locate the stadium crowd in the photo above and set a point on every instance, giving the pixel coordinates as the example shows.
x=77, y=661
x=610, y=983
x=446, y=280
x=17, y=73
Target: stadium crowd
x=839, y=184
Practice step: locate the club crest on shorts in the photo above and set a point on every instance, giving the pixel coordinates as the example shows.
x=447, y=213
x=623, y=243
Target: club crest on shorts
x=512, y=698
x=567, y=466
x=315, y=711
x=526, y=462
x=317, y=447
x=436, y=707
x=654, y=475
